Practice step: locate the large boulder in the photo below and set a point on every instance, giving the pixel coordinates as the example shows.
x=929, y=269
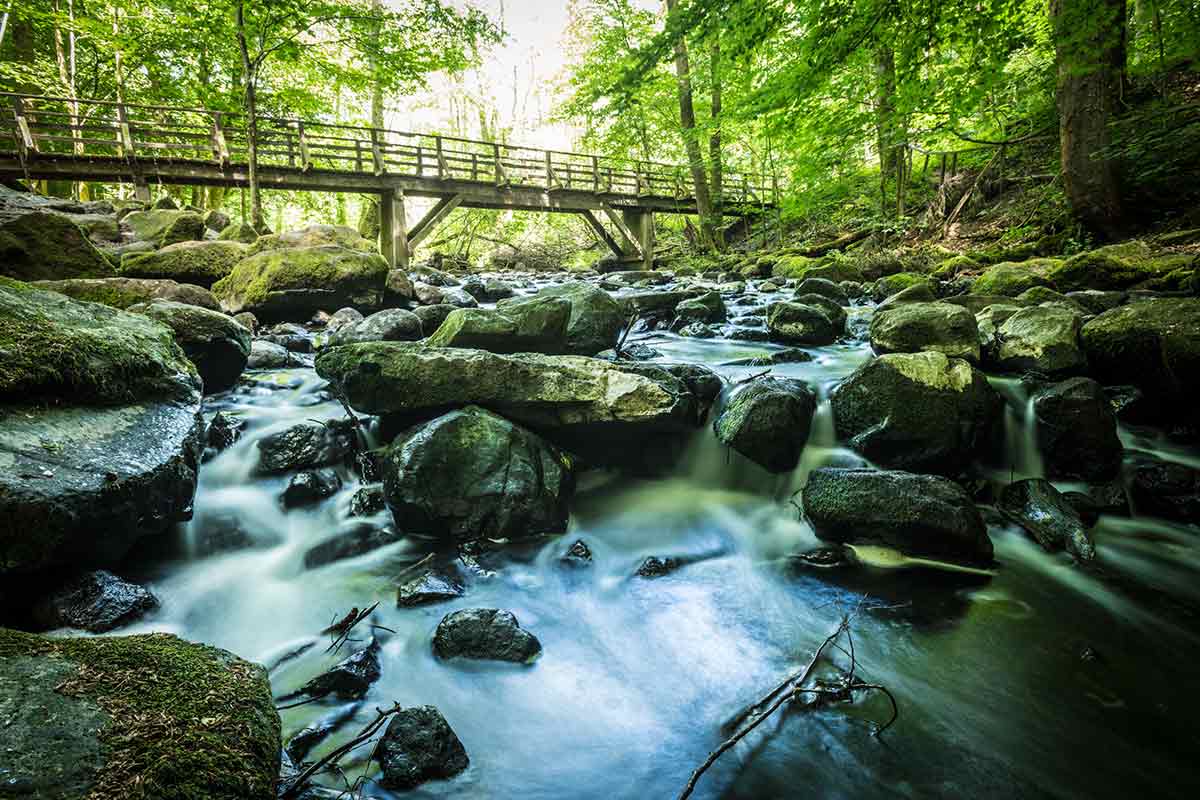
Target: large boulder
x=916, y=327
x=1152, y=343
x=1042, y=339
x=96, y=602
x=595, y=319
x=1010, y=279
x=164, y=226
x=389, y=325
x=917, y=411
x=470, y=473
x=315, y=236
x=418, y=745
x=1116, y=266
x=97, y=717
x=1161, y=488
x=44, y=245
x=125, y=292
x=536, y=325
x=218, y=346
x=1077, y=430
x=795, y=323
x=1047, y=516
x=296, y=282
x=200, y=263
x=305, y=445
x=545, y=392
x=487, y=634
x=768, y=421
x=922, y=515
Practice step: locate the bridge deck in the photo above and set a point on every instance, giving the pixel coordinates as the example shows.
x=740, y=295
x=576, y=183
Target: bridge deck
x=53, y=138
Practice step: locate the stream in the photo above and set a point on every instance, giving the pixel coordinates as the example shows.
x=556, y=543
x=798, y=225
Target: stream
x=1042, y=680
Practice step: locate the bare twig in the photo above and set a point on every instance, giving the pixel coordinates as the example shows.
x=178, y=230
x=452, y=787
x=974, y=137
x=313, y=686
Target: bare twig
x=341, y=629
x=338, y=753
x=633, y=318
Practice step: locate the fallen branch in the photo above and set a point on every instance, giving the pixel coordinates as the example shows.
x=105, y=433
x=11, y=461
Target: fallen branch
x=341, y=629
x=335, y=755
x=633, y=319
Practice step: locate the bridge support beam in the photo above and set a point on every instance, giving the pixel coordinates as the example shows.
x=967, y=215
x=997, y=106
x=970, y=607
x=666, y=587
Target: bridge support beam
x=393, y=229
x=641, y=226
x=432, y=219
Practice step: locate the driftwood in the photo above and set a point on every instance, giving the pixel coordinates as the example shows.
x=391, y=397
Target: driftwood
x=330, y=760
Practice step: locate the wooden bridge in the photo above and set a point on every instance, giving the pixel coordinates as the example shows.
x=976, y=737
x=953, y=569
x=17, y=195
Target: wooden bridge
x=55, y=138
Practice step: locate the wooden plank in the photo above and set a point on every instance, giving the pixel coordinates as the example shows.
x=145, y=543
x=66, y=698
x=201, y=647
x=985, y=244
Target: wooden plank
x=305, y=162
x=443, y=169
x=602, y=232
x=220, y=147
x=376, y=156
x=432, y=219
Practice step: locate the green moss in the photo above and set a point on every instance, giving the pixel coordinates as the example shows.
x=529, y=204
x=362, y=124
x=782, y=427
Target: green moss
x=238, y=232
x=200, y=263
x=315, y=236
x=1010, y=279
x=324, y=267
x=793, y=267
x=165, y=226
x=1117, y=266
x=55, y=347
x=889, y=285
x=42, y=245
x=955, y=265
x=187, y=721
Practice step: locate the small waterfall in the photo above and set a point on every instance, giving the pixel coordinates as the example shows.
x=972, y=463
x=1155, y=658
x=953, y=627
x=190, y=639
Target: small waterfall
x=1022, y=455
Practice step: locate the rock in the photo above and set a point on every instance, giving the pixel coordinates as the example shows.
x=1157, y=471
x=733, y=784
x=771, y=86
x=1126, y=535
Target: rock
x=350, y=678
x=698, y=330
x=218, y=346
x=1010, y=279
x=96, y=602
x=655, y=303
x=397, y=289
x=1161, y=488
x=305, y=445
x=1152, y=343
x=824, y=288
x=428, y=588
x=224, y=430
x=1095, y=301
x=708, y=307
x=295, y=282
x=547, y=392
x=470, y=473
x=124, y=292
x=216, y=220
x=432, y=317
x=247, y=321
x=1077, y=431
x=341, y=318
x=988, y=321
x=487, y=291
x=310, y=486
x=40, y=245
x=198, y=263
x=352, y=540
x=800, y=324
x=917, y=293
x=537, y=325
x=389, y=325
x=238, y=232
x=488, y=634
x=1044, y=296
x=1043, y=339
x=917, y=411
x=165, y=226
x=318, y=235
x=84, y=717
x=655, y=567
x=577, y=555
x=934, y=327
x=268, y=355
x=1115, y=266
x=418, y=746
x=922, y=515
x=837, y=314
x=888, y=285
x=768, y=421
x=1047, y=516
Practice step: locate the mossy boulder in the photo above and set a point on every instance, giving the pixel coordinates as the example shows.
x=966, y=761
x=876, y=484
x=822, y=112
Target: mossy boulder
x=937, y=327
x=238, y=232
x=831, y=269
x=955, y=265
x=537, y=325
x=1154, y=344
x=165, y=226
x=802, y=324
x=124, y=292
x=150, y=716
x=1043, y=339
x=57, y=348
x=471, y=473
x=198, y=263
x=888, y=285
x=218, y=346
x=768, y=421
x=1120, y=266
x=795, y=267
x=1077, y=431
x=44, y=245
x=595, y=320
x=315, y=236
x=1010, y=278
x=923, y=412
x=296, y=282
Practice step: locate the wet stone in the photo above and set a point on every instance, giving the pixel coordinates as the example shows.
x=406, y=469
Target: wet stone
x=96, y=601
x=655, y=567
x=224, y=430
x=310, y=486
x=367, y=501
x=429, y=588
x=577, y=555
x=486, y=634
x=350, y=678
x=309, y=444
x=356, y=539
x=417, y=746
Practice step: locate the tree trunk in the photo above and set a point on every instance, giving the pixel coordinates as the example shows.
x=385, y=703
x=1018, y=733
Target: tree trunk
x=64, y=55
x=1089, y=40
x=687, y=121
x=368, y=221
x=250, y=75
x=714, y=144
x=889, y=130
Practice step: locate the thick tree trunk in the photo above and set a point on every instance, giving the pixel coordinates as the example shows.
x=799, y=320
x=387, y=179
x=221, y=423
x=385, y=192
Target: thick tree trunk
x=888, y=127
x=250, y=76
x=1089, y=40
x=714, y=144
x=687, y=121
x=369, y=222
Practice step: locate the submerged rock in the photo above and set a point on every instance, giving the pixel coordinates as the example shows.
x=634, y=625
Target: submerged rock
x=917, y=411
x=218, y=346
x=768, y=421
x=471, y=473
x=350, y=678
x=488, y=634
x=428, y=588
x=1048, y=516
x=96, y=602
x=656, y=567
x=916, y=327
x=1161, y=488
x=305, y=445
x=351, y=541
x=921, y=515
x=85, y=716
x=310, y=486
x=418, y=746
x=1077, y=430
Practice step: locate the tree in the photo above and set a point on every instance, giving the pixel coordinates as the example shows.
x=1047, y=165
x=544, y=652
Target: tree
x=1089, y=42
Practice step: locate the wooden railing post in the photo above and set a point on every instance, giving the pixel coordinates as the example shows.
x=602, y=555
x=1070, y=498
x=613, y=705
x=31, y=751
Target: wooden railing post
x=595, y=174
x=376, y=153
x=443, y=169
x=126, y=133
x=420, y=161
x=220, y=148
x=357, y=154
x=25, y=139
x=501, y=175
x=474, y=166
x=305, y=164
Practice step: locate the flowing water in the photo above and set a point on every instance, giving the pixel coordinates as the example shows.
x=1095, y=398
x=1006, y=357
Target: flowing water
x=1042, y=680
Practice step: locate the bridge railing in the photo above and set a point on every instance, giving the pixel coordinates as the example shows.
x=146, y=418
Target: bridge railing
x=57, y=127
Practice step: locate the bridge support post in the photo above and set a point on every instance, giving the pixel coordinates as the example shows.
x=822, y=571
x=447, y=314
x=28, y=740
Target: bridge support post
x=641, y=225
x=141, y=189
x=393, y=229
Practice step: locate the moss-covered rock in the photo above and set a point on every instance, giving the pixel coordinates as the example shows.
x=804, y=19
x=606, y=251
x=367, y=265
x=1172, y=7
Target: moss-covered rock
x=1011, y=278
x=595, y=321
x=165, y=226
x=888, y=285
x=57, y=348
x=198, y=263
x=238, y=232
x=537, y=325
x=42, y=245
x=295, y=282
x=768, y=421
x=1120, y=266
x=148, y=716
x=124, y=292
x=803, y=324
x=1044, y=339
x=916, y=327
x=1154, y=344
x=315, y=236
x=955, y=265
x=218, y=346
